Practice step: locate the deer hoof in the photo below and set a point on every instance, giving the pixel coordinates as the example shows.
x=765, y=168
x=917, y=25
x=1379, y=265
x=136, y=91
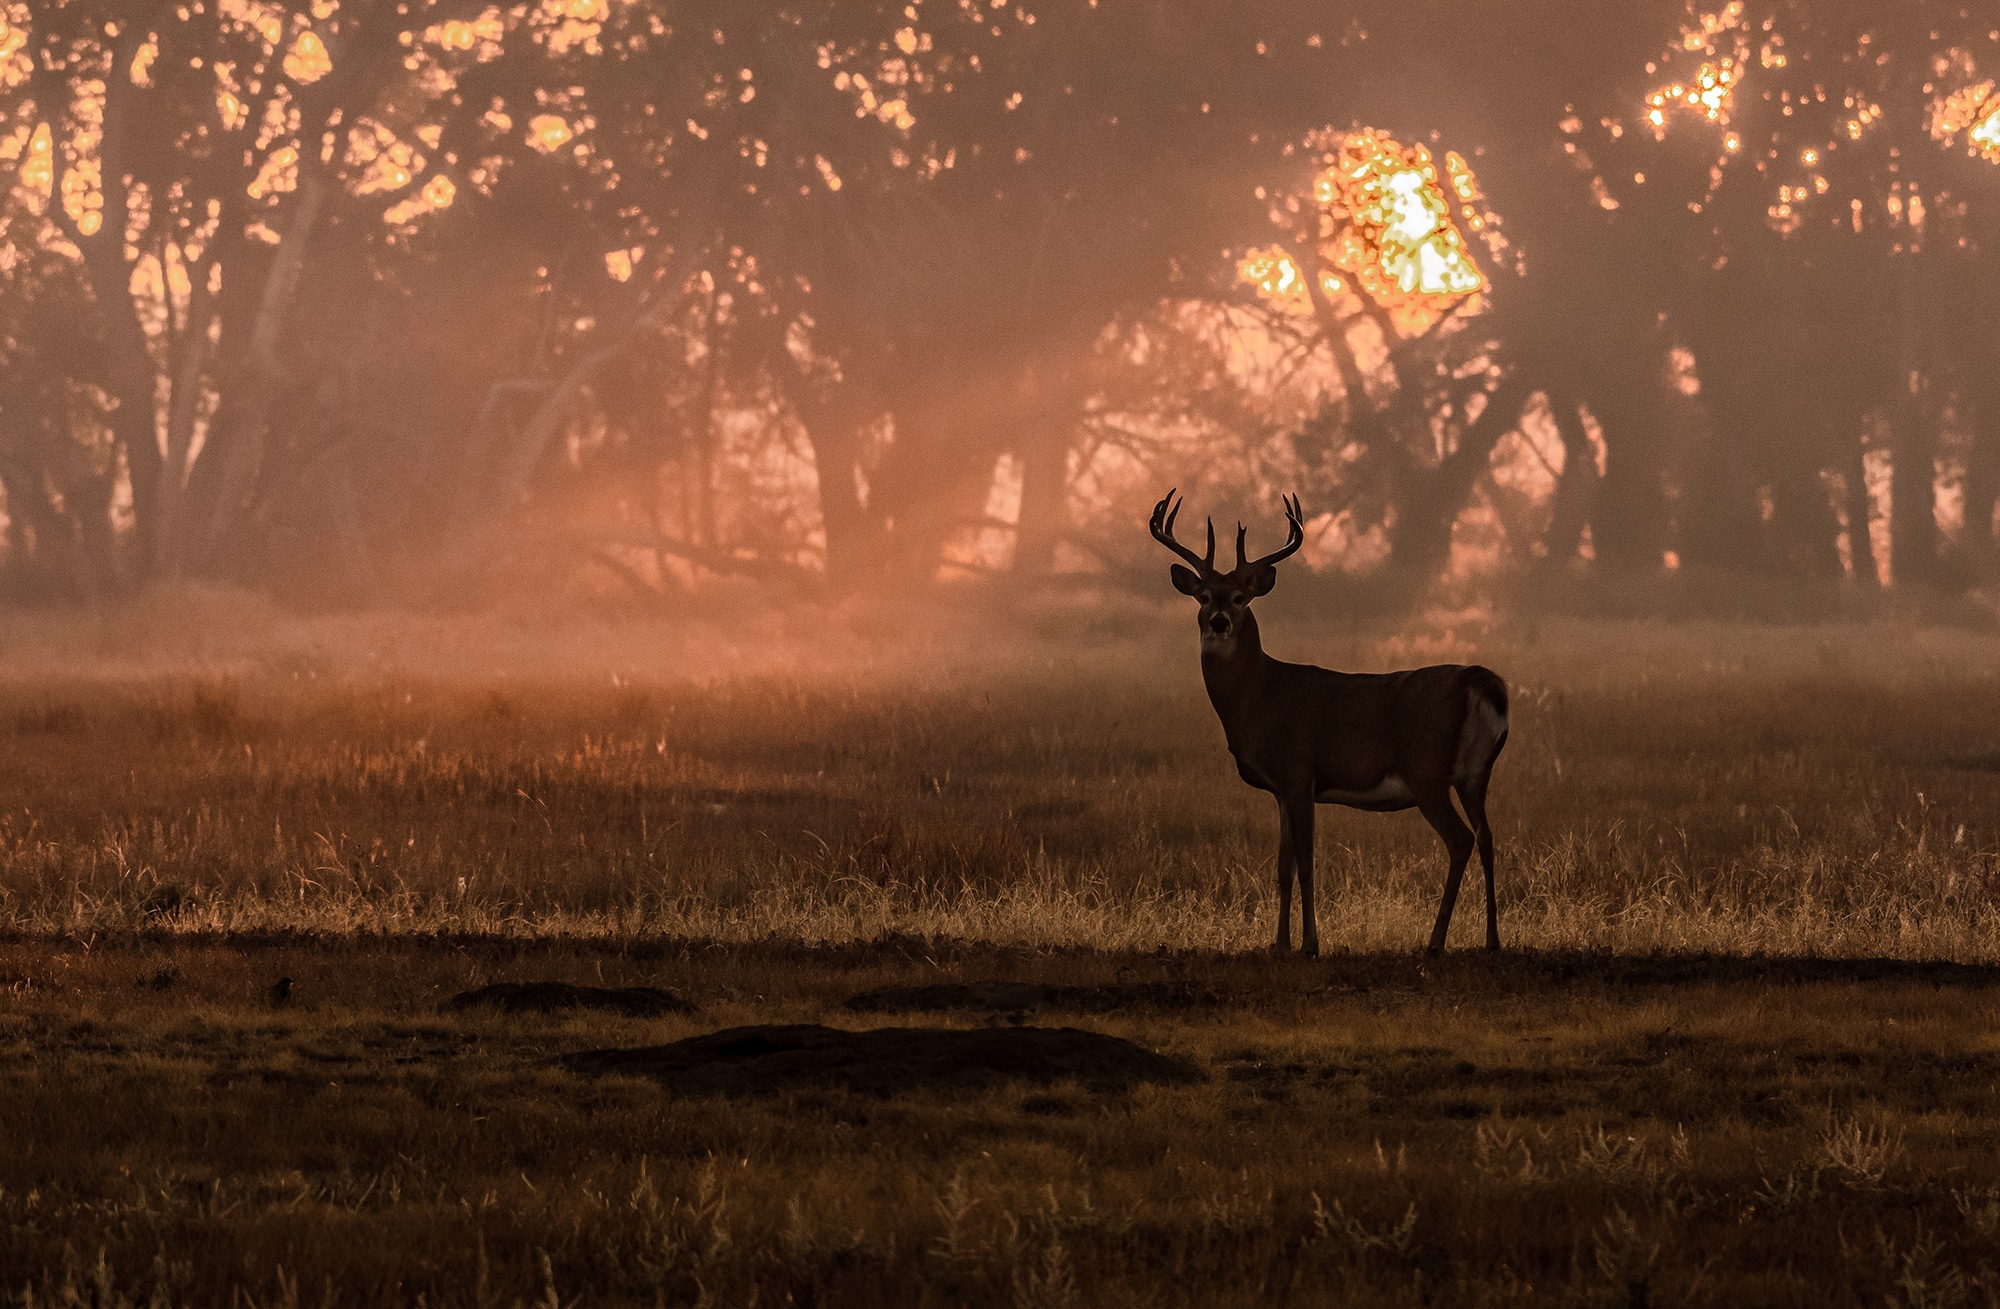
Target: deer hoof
x=1310, y=950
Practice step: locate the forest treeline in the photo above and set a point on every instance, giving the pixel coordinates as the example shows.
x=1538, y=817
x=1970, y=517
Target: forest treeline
x=345, y=299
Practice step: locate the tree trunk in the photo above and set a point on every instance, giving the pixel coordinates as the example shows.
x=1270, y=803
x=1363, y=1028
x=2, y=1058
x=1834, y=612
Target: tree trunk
x=1860, y=517
x=1913, y=532
x=1982, y=484
x=1429, y=499
x=1044, y=456
x=1720, y=526
x=498, y=472
x=1913, y=487
x=1576, y=494
x=54, y=493
x=833, y=429
x=1629, y=525
x=183, y=409
x=1049, y=427
x=701, y=443
x=129, y=362
x=514, y=465
x=1803, y=525
x=223, y=485
x=930, y=481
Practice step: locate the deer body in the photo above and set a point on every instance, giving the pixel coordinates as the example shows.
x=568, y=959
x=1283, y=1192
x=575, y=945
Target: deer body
x=1379, y=742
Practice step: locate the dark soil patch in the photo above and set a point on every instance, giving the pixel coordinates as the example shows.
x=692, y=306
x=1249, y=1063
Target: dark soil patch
x=1529, y=972
x=888, y=1060
x=553, y=997
x=1016, y=997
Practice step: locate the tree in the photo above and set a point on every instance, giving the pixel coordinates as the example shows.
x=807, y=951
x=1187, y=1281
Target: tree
x=1813, y=208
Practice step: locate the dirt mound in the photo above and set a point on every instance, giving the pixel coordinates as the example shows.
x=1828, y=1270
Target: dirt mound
x=1011, y=997
x=888, y=1060
x=552, y=997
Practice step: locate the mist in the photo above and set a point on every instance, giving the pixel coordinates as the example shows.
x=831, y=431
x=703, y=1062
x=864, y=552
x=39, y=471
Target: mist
x=1621, y=304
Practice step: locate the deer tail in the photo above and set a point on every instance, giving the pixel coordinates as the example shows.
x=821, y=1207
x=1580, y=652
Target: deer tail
x=1485, y=725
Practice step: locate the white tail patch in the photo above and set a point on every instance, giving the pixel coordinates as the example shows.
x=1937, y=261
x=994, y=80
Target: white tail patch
x=1479, y=740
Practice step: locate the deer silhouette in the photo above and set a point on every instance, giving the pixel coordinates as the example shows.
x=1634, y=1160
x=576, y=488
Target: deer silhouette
x=1310, y=736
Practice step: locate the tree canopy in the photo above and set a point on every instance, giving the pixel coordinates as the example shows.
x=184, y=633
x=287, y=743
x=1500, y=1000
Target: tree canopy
x=340, y=297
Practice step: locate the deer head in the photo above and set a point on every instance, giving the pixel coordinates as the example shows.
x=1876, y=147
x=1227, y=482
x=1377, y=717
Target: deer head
x=1225, y=597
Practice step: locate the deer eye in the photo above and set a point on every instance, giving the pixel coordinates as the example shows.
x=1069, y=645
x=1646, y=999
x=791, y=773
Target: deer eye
x=1236, y=599
x=1205, y=598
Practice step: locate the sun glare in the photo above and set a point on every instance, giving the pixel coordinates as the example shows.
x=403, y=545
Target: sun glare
x=1975, y=111
x=308, y=60
x=463, y=34
x=1386, y=230
x=1710, y=94
x=38, y=170
x=548, y=132
x=280, y=172
x=1720, y=41
x=1276, y=278
x=1392, y=229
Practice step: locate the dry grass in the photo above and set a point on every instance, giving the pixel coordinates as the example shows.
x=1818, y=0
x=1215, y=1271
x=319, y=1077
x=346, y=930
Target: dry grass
x=1530, y=1130
x=1627, y=1107
x=1790, y=791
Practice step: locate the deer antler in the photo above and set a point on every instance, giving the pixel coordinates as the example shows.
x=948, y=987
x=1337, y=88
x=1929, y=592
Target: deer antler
x=1164, y=514
x=1295, y=536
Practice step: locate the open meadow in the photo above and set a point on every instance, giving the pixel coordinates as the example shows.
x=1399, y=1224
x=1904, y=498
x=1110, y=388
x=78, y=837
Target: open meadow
x=1741, y=1046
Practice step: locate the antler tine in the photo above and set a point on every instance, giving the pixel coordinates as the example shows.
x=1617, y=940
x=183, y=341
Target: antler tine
x=1164, y=514
x=1208, y=559
x=1295, y=536
x=1239, y=543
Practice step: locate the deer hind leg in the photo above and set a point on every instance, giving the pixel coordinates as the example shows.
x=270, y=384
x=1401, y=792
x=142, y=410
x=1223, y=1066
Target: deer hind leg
x=1434, y=802
x=1473, y=797
x=1285, y=863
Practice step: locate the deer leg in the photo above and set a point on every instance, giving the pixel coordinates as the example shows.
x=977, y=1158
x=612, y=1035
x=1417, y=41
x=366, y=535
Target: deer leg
x=1285, y=864
x=1435, y=805
x=1302, y=812
x=1473, y=797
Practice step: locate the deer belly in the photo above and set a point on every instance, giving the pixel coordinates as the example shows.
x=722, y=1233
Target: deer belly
x=1392, y=792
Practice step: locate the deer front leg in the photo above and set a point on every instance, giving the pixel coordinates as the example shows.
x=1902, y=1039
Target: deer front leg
x=1285, y=862
x=1301, y=812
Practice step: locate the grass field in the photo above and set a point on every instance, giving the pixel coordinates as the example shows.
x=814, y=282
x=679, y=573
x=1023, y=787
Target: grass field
x=1741, y=1048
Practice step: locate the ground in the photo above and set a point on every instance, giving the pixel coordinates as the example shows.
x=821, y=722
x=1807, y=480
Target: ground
x=1740, y=1049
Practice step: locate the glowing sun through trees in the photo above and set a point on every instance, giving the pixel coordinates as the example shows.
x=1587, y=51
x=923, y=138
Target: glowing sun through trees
x=1386, y=230
x=1811, y=122
x=1975, y=111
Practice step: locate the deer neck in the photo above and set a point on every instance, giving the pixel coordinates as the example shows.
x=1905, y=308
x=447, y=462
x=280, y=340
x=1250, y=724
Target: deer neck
x=1233, y=670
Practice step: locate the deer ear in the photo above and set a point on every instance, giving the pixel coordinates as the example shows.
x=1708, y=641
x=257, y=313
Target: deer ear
x=1185, y=581
x=1262, y=581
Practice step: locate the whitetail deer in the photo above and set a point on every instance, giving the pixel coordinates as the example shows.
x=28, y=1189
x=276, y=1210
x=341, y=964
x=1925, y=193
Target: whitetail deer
x=1310, y=736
